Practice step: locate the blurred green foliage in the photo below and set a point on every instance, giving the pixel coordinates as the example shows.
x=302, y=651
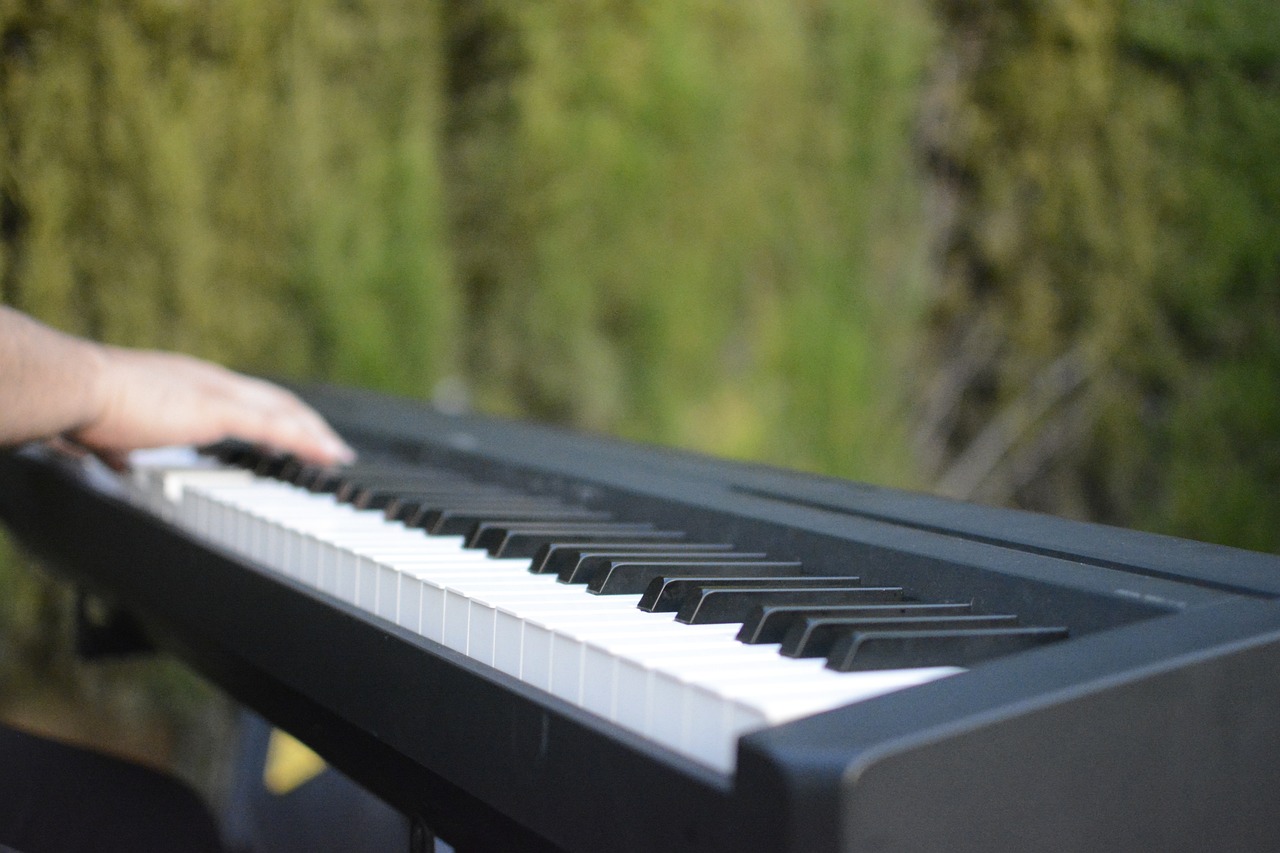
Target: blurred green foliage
x=692, y=222
x=201, y=177
x=1107, y=332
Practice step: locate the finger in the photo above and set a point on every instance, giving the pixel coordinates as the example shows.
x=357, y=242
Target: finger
x=115, y=460
x=65, y=446
x=309, y=438
x=264, y=413
x=299, y=429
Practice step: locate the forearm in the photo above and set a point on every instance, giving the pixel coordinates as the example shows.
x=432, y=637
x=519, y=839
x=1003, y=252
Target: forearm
x=50, y=383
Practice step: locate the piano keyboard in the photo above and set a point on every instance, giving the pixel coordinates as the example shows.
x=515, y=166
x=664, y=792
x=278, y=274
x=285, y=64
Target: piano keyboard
x=679, y=676
x=527, y=639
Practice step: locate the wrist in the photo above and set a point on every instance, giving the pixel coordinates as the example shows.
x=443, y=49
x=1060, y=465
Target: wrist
x=94, y=364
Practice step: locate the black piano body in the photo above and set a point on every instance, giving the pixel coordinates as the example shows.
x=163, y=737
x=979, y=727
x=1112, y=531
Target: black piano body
x=1154, y=726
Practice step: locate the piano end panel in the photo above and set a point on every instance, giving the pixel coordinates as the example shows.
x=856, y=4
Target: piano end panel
x=1187, y=760
x=1179, y=754
x=787, y=795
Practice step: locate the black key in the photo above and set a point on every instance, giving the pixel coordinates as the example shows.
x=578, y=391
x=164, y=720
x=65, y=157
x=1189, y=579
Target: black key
x=324, y=481
x=404, y=504
x=813, y=636
x=556, y=557
x=490, y=534
x=391, y=475
x=304, y=475
x=414, y=511
x=331, y=479
x=433, y=488
x=260, y=461
x=590, y=563
x=904, y=649
x=769, y=623
x=356, y=483
x=271, y=464
x=240, y=454
x=289, y=471
x=669, y=594
x=717, y=605
x=460, y=522
x=630, y=577
x=264, y=463
x=528, y=543
x=378, y=496
x=508, y=539
x=231, y=451
x=436, y=481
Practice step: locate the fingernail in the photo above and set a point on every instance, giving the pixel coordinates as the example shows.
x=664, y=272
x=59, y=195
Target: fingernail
x=343, y=452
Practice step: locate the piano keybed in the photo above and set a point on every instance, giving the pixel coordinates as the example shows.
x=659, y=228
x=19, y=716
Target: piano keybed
x=500, y=576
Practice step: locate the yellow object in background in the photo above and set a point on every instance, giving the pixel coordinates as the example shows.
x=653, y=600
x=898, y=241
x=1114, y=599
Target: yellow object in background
x=289, y=764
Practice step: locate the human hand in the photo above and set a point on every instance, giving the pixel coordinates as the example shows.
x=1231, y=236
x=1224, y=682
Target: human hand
x=149, y=399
